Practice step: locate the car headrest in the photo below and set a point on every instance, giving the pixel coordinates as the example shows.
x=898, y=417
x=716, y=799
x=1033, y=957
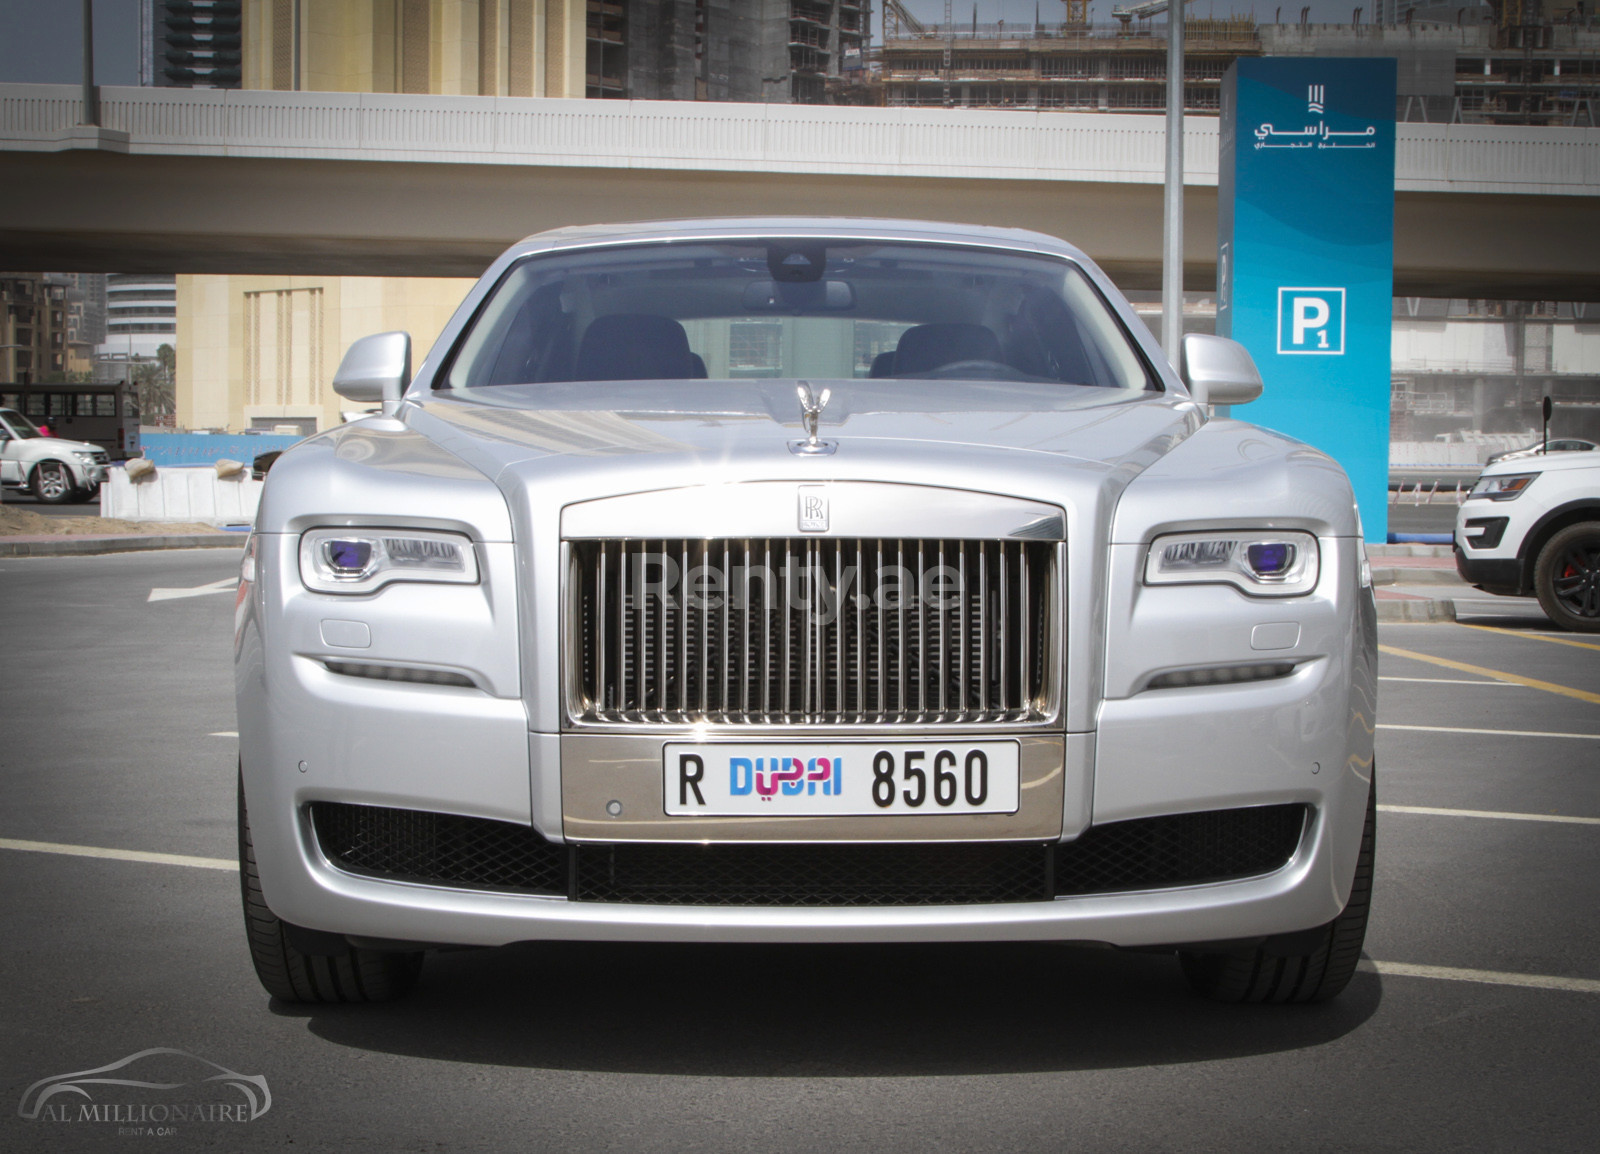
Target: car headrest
x=928, y=347
x=635, y=347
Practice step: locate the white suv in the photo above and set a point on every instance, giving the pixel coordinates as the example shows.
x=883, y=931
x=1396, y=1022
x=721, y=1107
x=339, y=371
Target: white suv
x=55, y=469
x=1532, y=524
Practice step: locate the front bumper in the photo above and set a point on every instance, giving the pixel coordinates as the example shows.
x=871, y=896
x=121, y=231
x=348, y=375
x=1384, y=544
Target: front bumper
x=309, y=735
x=1299, y=895
x=1501, y=575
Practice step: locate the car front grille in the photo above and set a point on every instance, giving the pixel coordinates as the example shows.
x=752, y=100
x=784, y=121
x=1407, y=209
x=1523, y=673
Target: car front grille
x=1129, y=856
x=813, y=631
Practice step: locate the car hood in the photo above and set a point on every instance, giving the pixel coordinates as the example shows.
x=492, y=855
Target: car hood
x=705, y=431
x=64, y=445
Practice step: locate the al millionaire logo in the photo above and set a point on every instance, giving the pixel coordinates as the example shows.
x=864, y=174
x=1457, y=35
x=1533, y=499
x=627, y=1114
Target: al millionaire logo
x=152, y=1093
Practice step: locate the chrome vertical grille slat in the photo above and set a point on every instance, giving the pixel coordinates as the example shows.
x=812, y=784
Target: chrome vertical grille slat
x=813, y=631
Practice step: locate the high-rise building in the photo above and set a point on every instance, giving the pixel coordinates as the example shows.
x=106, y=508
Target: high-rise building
x=765, y=51
x=756, y=51
x=443, y=47
x=141, y=316
x=33, y=328
x=190, y=43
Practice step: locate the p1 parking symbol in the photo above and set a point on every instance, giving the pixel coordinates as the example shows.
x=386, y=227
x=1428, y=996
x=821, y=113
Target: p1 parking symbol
x=1311, y=321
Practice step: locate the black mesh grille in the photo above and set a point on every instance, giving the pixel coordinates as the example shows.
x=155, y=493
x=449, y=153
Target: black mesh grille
x=1144, y=854
x=921, y=874
x=1183, y=849
x=442, y=848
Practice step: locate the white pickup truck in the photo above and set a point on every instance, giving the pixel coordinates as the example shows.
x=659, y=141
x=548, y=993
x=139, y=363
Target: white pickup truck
x=54, y=469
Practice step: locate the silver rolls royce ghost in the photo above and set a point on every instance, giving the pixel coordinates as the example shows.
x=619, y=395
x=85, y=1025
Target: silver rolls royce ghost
x=804, y=580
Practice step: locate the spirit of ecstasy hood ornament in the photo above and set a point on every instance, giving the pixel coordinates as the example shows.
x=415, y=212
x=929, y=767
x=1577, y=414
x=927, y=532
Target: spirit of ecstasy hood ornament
x=810, y=412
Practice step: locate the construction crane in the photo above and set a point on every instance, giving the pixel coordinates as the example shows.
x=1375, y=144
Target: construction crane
x=1077, y=13
x=895, y=12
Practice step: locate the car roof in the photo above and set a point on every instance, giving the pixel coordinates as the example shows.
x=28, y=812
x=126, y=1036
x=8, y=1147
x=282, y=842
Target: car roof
x=843, y=228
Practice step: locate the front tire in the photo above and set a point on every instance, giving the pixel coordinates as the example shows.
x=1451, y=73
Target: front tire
x=52, y=483
x=1566, y=578
x=1264, y=976
x=349, y=975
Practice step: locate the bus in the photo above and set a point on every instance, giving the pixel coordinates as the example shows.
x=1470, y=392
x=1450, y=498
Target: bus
x=106, y=415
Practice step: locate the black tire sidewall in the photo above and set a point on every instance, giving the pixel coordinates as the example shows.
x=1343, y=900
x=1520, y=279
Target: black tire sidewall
x=1544, y=576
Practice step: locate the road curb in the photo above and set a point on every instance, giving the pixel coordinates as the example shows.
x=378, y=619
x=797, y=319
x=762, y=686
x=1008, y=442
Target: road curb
x=1405, y=575
x=1428, y=610
x=87, y=546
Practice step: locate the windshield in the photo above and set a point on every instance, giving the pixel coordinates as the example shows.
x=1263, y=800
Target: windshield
x=18, y=425
x=809, y=308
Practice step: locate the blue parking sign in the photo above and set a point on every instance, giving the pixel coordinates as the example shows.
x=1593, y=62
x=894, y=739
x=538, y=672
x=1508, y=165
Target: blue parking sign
x=1305, y=253
x=1311, y=321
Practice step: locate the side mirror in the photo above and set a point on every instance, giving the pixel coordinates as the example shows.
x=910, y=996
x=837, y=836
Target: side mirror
x=1218, y=371
x=376, y=368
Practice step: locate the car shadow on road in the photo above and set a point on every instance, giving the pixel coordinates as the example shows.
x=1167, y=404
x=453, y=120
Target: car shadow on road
x=823, y=1011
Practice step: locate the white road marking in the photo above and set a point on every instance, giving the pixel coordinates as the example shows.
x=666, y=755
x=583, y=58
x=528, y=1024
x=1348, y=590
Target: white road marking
x=224, y=733
x=178, y=859
x=1486, y=977
x=1434, y=811
x=1490, y=732
x=1444, y=681
x=226, y=585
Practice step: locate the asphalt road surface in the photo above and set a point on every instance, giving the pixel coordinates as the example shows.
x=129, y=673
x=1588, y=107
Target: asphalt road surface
x=1476, y=1024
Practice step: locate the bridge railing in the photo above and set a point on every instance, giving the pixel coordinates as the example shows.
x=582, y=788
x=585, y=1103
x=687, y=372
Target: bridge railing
x=816, y=139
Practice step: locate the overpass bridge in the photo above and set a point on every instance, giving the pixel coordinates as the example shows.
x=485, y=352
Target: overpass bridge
x=319, y=183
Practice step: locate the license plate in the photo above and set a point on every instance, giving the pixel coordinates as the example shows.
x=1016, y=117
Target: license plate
x=769, y=779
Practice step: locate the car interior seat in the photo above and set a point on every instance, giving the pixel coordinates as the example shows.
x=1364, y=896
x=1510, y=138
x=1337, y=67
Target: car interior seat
x=928, y=347
x=636, y=347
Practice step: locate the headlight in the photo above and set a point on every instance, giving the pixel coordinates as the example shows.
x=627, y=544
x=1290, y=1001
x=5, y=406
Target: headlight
x=87, y=457
x=1265, y=563
x=1504, y=487
x=365, y=560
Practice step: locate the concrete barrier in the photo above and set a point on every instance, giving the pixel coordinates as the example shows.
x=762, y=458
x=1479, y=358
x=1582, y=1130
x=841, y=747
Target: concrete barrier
x=181, y=494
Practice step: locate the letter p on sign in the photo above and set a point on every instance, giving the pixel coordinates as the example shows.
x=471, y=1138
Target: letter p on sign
x=1311, y=321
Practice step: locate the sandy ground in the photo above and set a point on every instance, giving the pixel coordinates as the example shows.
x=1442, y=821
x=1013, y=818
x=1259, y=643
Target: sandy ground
x=19, y=522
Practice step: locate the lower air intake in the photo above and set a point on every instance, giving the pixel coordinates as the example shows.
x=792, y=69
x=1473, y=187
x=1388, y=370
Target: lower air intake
x=1144, y=854
x=439, y=848
x=1150, y=853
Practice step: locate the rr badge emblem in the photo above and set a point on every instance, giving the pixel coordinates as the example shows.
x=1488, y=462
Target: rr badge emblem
x=813, y=509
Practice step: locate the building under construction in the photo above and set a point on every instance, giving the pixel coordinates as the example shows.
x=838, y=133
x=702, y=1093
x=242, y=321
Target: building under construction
x=1510, y=62
x=759, y=51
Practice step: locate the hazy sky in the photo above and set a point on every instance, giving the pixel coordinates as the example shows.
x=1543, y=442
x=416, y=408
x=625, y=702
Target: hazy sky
x=41, y=40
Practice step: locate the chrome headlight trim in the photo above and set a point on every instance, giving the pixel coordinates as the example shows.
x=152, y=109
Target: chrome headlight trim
x=355, y=561
x=1259, y=562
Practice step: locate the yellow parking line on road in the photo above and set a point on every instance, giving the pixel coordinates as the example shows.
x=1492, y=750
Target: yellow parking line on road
x=1487, y=977
x=178, y=859
x=1434, y=811
x=1419, y=680
x=1517, y=678
x=1531, y=636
